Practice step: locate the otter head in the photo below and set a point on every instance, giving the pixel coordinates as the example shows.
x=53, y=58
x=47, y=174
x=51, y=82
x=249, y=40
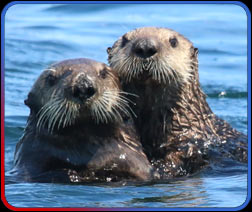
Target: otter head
x=76, y=90
x=159, y=54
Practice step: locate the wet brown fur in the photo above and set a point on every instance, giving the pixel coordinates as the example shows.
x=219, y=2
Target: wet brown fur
x=86, y=149
x=179, y=132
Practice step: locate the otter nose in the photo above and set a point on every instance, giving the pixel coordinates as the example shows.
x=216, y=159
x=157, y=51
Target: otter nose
x=144, y=48
x=83, y=89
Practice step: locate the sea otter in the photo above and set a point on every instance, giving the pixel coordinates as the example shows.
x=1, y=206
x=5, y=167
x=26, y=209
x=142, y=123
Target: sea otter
x=178, y=130
x=79, y=128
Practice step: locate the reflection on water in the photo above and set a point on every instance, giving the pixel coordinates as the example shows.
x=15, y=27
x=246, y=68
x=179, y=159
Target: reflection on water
x=190, y=193
x=37, y=35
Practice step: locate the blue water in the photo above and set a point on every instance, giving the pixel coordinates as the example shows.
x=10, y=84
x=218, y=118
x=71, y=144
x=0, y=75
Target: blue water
x=38, y=35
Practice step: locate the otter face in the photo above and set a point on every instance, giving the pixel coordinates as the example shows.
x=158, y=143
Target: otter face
x=76, y=89
x=161, y=54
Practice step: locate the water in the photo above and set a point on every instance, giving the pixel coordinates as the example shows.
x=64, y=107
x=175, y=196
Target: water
x=38, y=35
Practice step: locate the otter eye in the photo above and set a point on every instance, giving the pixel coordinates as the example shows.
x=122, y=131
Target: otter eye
x=125, y=40
x=51, y=79
x=103, y=73
x=173, y=42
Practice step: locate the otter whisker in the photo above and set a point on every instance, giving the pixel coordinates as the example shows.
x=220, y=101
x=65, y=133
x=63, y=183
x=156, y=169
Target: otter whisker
x=116, y=114
x=125, y=100
x=113, y=114
x=122, y=66
x=124, y=106
x=110, y=101
x=69, y=114
x=160, y=75
x=103, y=117
x=72, y=113
x=122, y=109
x=163, y=76
x=54, y=114
x=43, y=112
x=53, y=95
x=99, y=111
x=127, y=93
x=75, y=113
x=98, y=115
x=108, y=106
x=127, y=68
x=122, y=95
x=62, y=113
x=57, y=116
x=154, y=71
x=50, y=118
x=94, y=112
x=175, y=77
x=120, y=102
x=120, y=105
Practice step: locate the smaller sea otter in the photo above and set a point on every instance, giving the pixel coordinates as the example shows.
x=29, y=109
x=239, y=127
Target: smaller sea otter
x=177, y=128
x=76, y=130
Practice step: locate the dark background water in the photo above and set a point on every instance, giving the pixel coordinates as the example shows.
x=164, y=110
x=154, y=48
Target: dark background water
x=37, y=35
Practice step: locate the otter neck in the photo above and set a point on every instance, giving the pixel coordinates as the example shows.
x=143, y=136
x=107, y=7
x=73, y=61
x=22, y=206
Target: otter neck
x=80, y=128
x=165, y=113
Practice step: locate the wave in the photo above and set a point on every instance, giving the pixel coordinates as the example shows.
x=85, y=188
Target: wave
x=81, y=8
x=210, y=51
x=221, y=91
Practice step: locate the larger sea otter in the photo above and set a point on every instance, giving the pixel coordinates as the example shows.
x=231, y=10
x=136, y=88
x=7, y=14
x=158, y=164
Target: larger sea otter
x=75, y=131
x=178, y=130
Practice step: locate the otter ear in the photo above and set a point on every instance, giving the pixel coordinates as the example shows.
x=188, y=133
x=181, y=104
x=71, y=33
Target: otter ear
x=196, y=51
x=109, y=50
x=28, y=101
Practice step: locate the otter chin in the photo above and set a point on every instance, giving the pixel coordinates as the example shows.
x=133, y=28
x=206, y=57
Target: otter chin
x=79, y=128
x=177, y=128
